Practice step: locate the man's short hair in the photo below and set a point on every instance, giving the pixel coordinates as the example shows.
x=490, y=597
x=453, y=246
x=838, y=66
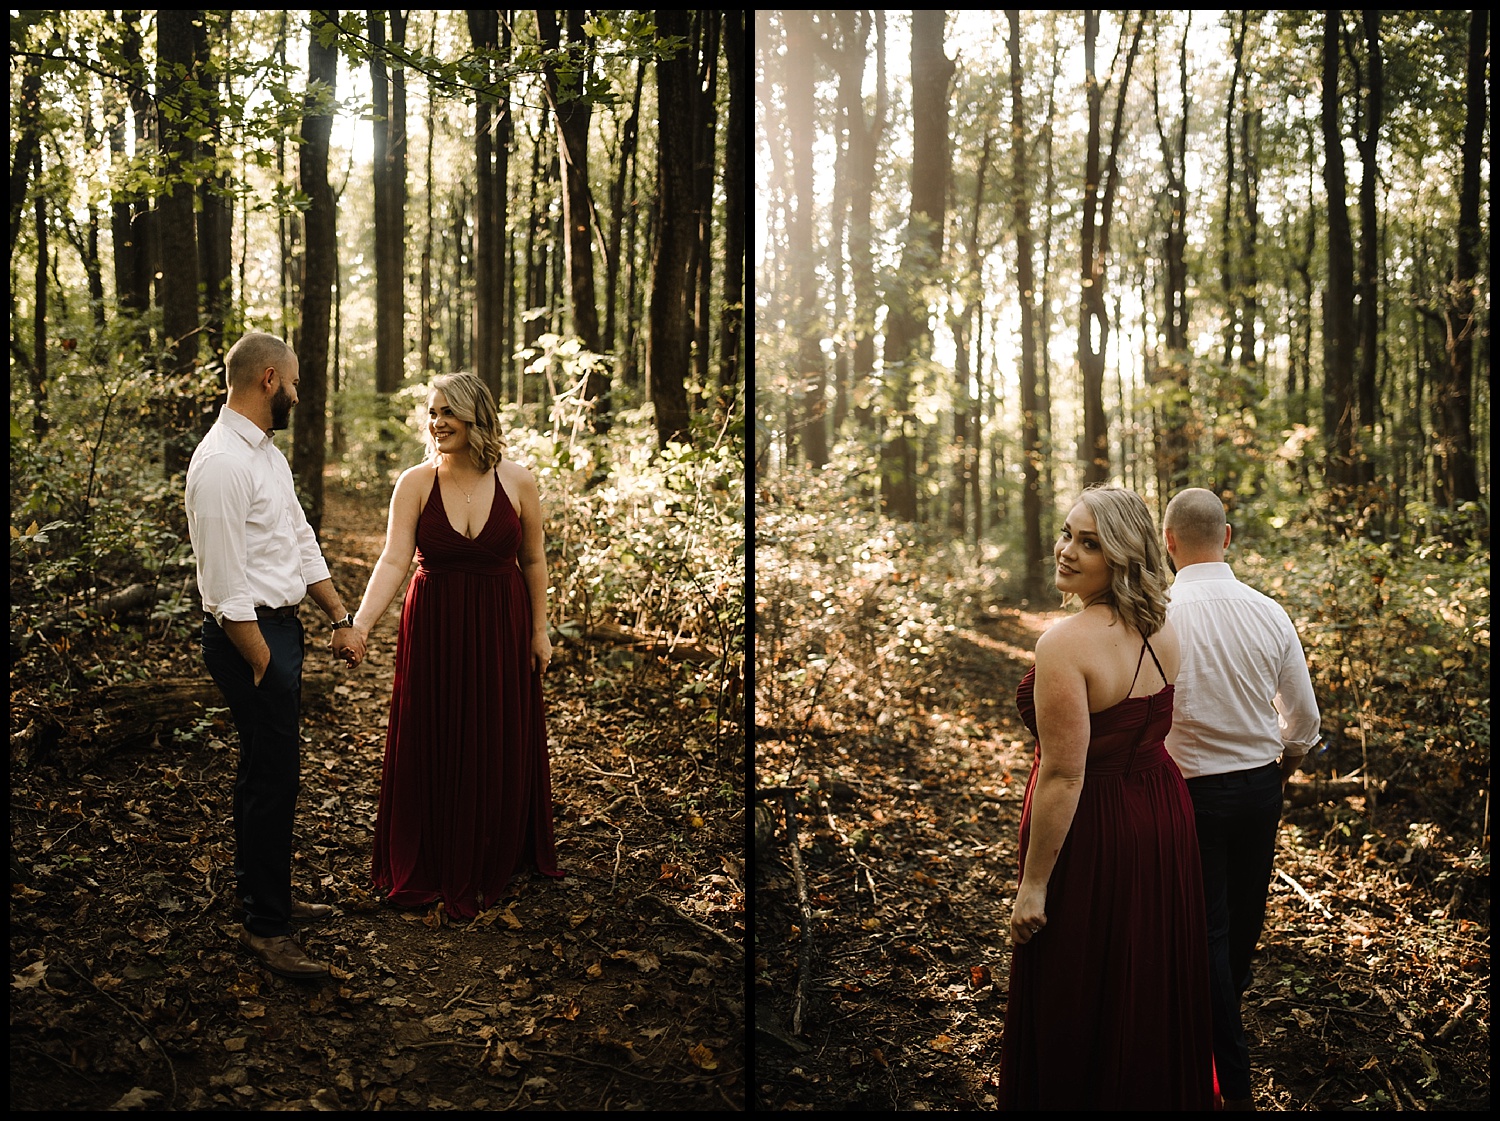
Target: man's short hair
x=251, y=356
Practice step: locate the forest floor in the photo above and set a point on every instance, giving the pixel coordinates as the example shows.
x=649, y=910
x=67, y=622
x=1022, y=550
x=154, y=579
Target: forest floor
x=620, y=986
x=886, y=987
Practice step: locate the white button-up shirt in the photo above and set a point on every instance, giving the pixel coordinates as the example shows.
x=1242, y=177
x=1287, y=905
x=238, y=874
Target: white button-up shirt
x=1243, y=693
x=251, y=539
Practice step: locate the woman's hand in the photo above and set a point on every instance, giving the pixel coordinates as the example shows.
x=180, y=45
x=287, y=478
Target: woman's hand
x=1029, y=914
x=541, y=651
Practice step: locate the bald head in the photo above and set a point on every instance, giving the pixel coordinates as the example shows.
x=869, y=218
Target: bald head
x=252, y=356
x=1194, y=527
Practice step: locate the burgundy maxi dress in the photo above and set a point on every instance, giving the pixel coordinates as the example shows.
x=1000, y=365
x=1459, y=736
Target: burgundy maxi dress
x=466, y=792
x=1109, y=1002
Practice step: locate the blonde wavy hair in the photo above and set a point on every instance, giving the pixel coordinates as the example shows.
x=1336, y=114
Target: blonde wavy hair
x=1131, y=544
x=470, y=400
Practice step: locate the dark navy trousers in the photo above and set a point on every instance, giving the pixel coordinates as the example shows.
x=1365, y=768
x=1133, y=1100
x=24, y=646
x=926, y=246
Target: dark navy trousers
x=1237, y=815
x=267, y=717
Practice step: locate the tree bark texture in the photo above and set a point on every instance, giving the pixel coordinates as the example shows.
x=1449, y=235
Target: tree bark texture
x=1338, y=297
x=572, y=112
x=809, y=434
x=389, y=174
x=488, y=219
x=669, y=357
x=309, y=450
x=908, y=335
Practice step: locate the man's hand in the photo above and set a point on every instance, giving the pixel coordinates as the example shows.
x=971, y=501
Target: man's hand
x=1289, y=765
x=348, y=644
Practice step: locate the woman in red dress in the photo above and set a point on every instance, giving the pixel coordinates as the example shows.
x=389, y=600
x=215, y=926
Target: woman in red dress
x=465, y=795
x=1109, y=999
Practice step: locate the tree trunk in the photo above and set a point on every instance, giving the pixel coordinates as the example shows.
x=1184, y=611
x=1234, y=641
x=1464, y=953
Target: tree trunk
x=572, y=111
x=865, y=136
x=389, y=174
x=907, y=333
x=1098, y=207
x=215, y=208
x=537, y=260
x=1369, y=253
x=1170, y=381
x=964, y=322
x=1228, y=286
x=710, y=21
x=736, y=168
x=1454, y=393
x=309, y=449
x=1338, y=298
x=809, y=377
x=488, y=220
x=179, y=71
x=669, y=357
x=28, y=148
x=624, y=163
x=1033, y=581
x=37, y=369
x=425, y=310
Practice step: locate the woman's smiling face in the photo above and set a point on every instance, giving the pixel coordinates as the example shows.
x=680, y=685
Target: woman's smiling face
x=1082, y=569
x=449, y=434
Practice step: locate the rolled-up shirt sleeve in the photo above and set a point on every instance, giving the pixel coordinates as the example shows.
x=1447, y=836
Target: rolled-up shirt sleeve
x=1296, y=705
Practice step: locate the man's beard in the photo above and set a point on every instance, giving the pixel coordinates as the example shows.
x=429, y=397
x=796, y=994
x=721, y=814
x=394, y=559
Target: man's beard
x=281, y=409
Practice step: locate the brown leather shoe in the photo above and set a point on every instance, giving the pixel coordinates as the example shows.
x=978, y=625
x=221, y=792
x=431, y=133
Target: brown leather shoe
x=311, y=912
x=281, y=954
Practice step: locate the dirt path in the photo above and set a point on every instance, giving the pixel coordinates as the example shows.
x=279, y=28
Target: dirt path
x=618, y=987
x=1368, y=991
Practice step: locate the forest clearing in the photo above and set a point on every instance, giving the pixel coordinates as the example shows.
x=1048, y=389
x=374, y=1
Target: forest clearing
x=890, y=769
x=618, y=987
x=552, y=200
x=1012, y=255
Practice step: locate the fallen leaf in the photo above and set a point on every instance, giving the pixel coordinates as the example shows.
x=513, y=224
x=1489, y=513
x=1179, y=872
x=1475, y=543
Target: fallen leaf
x=137, y=1098
x=703, y=1057
x=643, y=960
x=942, y=1043
x=30, y=977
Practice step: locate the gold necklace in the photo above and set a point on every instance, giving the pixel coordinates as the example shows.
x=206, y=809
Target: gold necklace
x=468, y=494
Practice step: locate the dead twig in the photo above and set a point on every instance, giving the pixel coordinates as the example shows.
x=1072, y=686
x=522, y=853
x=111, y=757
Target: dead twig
x=1447, y=1029
x=171, y=1070
x=804, y=948
x=705, y=928
x=1311, y=902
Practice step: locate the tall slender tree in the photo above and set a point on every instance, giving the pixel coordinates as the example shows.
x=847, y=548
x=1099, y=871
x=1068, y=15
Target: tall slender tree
x=489, y=210
x=567, y=71
x=1372, y=88
x=388, y=95
x=1338, y=297
x=1022, y=155
x=736, y=168
x=670, y=353
x=1099, y=187
x=809, y=434
x=1454, y=396
x=309, y=443
x=908, y=335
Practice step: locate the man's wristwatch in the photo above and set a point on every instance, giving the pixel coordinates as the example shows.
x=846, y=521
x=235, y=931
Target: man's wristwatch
x=346, y=621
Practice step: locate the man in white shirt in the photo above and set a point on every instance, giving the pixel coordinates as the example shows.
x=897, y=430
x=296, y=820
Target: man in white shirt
x=1243, y=720
x=257, y=560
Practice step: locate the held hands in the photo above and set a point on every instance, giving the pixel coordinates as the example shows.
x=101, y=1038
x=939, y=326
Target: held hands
x=1029, y=914
x=348, y=643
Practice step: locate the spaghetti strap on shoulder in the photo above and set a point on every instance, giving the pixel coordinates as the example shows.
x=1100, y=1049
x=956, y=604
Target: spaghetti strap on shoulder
x=1146, y=646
